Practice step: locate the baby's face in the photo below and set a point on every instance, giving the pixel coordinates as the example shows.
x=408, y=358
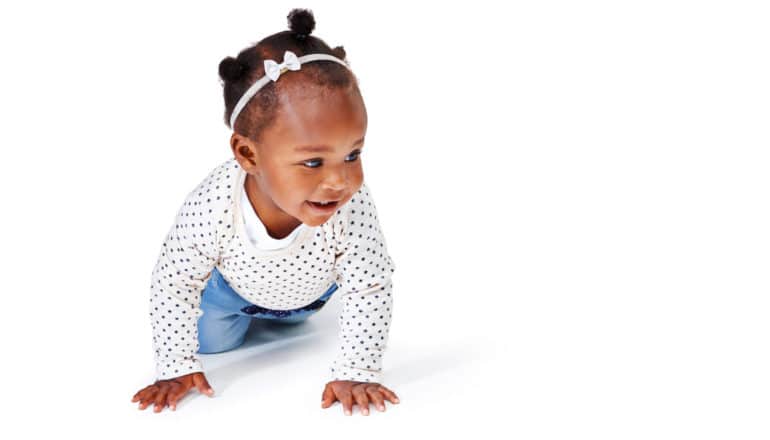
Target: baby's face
x=311, y=154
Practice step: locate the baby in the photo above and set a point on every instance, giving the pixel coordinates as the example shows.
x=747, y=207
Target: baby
x=274, y=231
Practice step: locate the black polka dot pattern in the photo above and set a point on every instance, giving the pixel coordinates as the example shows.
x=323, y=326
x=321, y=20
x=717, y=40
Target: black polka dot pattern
x=348, y=249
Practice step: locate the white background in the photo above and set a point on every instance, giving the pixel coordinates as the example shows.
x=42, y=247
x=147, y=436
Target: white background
x=575, y=195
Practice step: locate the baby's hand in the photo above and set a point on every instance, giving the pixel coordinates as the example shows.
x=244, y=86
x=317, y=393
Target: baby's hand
x=346, y=390
x=171, y=390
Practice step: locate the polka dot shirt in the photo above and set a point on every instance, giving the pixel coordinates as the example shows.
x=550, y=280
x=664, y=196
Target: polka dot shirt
x=208, y=232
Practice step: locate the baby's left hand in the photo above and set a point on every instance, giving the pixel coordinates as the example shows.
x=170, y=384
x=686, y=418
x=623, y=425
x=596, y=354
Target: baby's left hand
x=346, y=390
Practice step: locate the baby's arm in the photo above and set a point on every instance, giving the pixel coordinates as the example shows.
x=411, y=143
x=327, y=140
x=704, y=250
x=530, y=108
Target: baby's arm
x=363, y=268
x=364, y=274
x=187, y=258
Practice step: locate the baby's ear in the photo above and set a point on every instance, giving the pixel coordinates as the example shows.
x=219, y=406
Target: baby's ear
x=339, y=52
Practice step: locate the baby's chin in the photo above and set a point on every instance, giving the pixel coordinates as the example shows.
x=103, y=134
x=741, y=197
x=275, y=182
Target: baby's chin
x=313, y=223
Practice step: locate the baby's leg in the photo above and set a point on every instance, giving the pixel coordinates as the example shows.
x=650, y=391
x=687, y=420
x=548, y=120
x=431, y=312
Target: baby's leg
x=222, y=326
x=218, y=332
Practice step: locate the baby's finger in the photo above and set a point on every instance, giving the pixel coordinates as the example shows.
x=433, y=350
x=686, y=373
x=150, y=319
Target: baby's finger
x=160, y=399
x=390, y=395
x=347, y=402
x=363, y=401
x=138, y=395
x=143, y=393
x=176, y=392
x=203, y=385
x=328, y=397
x=148, y=397
x=376, y=397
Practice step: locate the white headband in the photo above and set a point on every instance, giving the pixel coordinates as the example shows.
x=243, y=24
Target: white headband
x=274, y=70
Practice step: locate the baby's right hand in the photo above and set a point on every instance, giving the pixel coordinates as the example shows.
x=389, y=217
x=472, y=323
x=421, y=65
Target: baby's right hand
x=171, y=390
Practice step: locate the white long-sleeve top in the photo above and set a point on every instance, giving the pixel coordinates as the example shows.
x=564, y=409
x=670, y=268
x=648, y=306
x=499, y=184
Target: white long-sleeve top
x=209, y=231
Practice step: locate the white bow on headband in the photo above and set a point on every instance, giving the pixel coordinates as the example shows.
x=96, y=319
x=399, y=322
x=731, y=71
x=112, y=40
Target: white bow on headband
x=274, y=70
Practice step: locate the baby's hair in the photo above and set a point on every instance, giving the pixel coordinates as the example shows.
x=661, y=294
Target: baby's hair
x=239, y=73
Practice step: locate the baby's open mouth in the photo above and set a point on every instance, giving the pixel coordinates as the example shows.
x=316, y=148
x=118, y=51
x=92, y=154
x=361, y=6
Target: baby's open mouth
x=323, y=205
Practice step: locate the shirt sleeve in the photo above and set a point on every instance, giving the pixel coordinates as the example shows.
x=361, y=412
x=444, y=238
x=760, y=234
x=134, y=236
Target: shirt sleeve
x=363, y=270
x=187, y=258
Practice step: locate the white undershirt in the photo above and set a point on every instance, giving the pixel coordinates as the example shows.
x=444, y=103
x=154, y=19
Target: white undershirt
x=257, y=232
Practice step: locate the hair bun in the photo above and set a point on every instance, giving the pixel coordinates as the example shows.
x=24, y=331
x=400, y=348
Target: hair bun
x=230, y=69
x=339, y=52
x=301, y=22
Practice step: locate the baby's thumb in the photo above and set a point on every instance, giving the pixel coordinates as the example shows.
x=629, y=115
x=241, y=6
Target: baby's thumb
x=203, y=385
x=327, y=398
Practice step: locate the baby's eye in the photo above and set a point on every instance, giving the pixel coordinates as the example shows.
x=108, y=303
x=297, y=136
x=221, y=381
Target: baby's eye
x=355, y=155
x=312, y=161
x=315, y=163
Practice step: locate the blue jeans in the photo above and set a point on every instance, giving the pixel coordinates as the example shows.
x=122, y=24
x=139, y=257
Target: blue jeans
x=226, y=315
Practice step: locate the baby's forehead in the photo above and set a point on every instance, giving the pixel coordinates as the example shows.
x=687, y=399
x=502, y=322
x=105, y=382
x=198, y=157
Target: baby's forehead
x=308, y=105
x=303, y=90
